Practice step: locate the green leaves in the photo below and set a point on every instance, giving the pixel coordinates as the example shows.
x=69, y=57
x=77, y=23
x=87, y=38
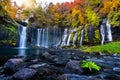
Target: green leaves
x=114, y=18
x=90, y=65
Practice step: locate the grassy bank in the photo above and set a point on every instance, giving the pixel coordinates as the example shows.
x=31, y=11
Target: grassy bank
x=109, y=48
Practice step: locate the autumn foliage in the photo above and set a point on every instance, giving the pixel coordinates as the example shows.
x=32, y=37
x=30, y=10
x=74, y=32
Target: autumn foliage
x=67, y=14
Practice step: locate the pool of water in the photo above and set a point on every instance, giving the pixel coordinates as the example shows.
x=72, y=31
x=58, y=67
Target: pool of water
x=6, y=53
x=21, y=51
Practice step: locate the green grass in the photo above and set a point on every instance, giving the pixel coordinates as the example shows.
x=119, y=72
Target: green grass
x=109, y=48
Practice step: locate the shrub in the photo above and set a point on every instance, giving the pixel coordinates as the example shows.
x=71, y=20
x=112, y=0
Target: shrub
x=85, y=64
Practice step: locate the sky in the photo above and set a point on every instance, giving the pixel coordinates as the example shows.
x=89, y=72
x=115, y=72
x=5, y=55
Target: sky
x=19, y=2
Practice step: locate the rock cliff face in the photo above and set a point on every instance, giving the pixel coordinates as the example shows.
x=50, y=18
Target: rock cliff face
x=116, y=33
x=8, y=30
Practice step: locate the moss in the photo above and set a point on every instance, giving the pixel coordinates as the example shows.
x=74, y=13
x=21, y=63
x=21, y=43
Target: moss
x=85, y=37
x=97, y=37
x=71, y=37
x=110, y=48
x=79, y=35
x=9, y=34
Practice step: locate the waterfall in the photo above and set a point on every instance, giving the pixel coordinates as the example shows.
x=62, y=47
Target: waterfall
x=109, y=34
x=22, y=43
x=68, y=41
x=64, y=37
x=38, y=36
x=102, y=32
x=75, y=38
x=105, y=31
x=43, y=38
x=47, y=42
x=81, y=38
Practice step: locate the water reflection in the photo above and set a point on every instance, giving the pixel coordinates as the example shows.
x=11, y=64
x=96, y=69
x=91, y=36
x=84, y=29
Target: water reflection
x=37, y=53
x=21, y=52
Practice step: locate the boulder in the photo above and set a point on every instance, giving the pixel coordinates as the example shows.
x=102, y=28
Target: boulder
x=73, y=67
x=47, y=70
x=49, y=57
x=112, y=77
x=13, y=65
x=25, y=74
x=116, y=69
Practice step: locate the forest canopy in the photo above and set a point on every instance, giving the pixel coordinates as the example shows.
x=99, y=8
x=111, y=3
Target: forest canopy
x=67, y=14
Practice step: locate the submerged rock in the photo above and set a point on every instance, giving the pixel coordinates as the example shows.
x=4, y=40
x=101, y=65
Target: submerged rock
x=13, y=65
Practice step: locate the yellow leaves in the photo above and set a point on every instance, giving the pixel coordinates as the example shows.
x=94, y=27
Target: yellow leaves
x=78, y=16
x=75, y=12
x=57, y=18
x=92, y=17
x=7, y=6
x=12, y=12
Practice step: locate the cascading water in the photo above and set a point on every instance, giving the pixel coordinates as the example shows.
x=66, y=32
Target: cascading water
x=75, y=38
x=43, y=38
x=22, y=43
x=102, y=32
x=38, y=36
x=46, y=41
x=109, y=34
x=105, y=31
x=81, y=38
x=65, y=35
x=68, y=41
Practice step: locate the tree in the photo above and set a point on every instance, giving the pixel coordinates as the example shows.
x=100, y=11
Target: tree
x=92, y=17
x=9, y=8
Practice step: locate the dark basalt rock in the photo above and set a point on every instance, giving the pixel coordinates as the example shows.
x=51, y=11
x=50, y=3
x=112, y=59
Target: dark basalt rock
x=116, y=69
x=25, y=74
x=73, y=67
x=112, y=77
x=49, y=57
x=13, y=65
x=61, y=65
x=72, y=77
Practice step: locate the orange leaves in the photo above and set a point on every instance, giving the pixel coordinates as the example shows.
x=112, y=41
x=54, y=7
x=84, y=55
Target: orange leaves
x=109, y=5
x=106, y=7
x=79, y=3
